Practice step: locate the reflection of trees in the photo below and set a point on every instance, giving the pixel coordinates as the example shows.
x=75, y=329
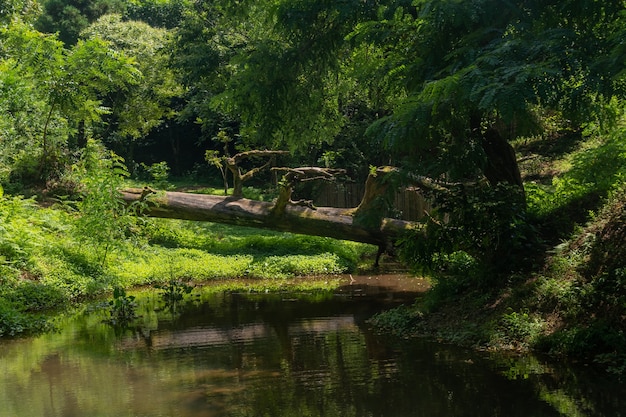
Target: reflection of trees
x=257, y=356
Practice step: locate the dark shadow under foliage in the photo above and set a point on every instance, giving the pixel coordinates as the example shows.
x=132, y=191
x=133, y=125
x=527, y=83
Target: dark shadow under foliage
x=488, y=224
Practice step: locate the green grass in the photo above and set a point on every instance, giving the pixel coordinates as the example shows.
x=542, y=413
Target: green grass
x=46, y=263
x=584, y=178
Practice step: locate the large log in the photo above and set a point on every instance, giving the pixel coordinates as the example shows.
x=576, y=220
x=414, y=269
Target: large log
x=321, y=221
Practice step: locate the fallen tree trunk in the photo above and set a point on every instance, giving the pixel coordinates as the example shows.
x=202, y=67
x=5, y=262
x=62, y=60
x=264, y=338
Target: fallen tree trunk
x=321, y=221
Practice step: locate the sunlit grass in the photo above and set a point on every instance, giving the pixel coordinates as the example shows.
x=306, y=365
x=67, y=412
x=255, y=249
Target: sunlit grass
x=45, y=263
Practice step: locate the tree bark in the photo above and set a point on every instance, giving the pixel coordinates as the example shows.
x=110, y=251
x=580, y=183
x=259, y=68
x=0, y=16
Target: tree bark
x=322, y=221
x=232, y=163
x=501, y=166
x=501, y=161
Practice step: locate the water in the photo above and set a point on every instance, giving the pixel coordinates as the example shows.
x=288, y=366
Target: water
x=282, y=355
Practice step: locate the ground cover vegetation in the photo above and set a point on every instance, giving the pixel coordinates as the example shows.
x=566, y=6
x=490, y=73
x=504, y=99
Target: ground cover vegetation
x=507, y=115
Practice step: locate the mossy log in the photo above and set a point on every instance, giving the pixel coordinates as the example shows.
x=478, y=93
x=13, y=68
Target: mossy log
x=321, y=221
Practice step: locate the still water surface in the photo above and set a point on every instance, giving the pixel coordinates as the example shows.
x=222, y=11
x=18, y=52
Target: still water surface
x=280, y=355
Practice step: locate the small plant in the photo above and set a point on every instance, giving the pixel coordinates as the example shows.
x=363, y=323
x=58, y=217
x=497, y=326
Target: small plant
x=104, y=221
x=14, y=322
x=173, y=292
x=399, y=321
x=519, y=328
x=122, y=308
x=159, y=173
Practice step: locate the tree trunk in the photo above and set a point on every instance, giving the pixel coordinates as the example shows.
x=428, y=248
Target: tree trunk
x=323, y=221
x=501, y=161
x=501, y=164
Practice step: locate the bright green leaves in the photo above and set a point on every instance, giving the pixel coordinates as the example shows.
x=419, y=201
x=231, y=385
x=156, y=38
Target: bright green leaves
x=11, y=9
x=91, y=70
x=137, y=107
x=103, y=221
x=53, y=92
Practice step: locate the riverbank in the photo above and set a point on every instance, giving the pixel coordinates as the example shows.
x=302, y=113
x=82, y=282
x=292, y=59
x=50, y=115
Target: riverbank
x=48, y=261
x=288, y=354
x=570, y=298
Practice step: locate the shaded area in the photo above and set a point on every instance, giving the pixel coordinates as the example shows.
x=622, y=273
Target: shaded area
x=288, y=354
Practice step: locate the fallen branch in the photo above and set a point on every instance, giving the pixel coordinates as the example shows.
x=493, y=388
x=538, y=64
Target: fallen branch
x=324, y=221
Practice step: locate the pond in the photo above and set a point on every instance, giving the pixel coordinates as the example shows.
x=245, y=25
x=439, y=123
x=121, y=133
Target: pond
x=250, y=354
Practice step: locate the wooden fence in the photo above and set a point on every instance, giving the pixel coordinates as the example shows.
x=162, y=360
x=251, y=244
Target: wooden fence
x=409, y=204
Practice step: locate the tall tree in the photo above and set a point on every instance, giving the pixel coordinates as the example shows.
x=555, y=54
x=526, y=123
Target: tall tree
x=474, y=72
x=135, y=111
x=62, y=87
x=271, y=66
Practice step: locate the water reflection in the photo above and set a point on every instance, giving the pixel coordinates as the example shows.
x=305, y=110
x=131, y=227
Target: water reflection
x=279, y=355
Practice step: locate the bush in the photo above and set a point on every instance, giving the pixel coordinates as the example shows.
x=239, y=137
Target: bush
x=399, y=321
x=518, y=328
x=34, y=296
x=14, y=322
x=487, y=223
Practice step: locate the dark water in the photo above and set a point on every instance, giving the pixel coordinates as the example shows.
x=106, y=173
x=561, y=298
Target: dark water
x=280, y=355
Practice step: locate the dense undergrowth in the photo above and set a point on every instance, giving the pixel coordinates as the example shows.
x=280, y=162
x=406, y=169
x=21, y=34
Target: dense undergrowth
x=569, y=298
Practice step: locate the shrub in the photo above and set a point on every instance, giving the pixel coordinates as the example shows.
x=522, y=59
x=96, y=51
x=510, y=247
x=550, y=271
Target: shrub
x=14, y=322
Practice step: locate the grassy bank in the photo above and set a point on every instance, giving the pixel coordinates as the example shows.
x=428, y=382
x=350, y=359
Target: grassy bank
x=47, y=261
x=570, y=298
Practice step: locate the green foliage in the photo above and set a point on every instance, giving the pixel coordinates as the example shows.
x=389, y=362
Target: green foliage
x=157, y=13
x=600, y=340
x=139, y=108
x=468, y=67
x=227, y=240
x=399, y=321
x=593, y=172
x=265, y=70
x=159, y=173
x=104, y=220
x=518, y=328
x=122, y=308
x=53, y=94
x=213, y=158
x=15, y=323
x=17, y=9
x=69, y=17
x=173, y=292
x=486, y=223
x=301, y=265
x=22, y=230
x=36, y=296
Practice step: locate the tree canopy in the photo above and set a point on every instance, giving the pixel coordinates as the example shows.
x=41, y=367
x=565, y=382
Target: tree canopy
x=437, y=87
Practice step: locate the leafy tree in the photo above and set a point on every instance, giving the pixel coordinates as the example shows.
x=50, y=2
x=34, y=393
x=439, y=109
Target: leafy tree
x=475, y=72
x=23, y=9
x=202, y=47
x=69, y=17
x=103, y=221
x=157, y=13
x=52, y=91
x=269, y=67
x=138, y=109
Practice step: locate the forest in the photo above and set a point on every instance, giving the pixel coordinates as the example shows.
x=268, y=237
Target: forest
x=507, y=116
